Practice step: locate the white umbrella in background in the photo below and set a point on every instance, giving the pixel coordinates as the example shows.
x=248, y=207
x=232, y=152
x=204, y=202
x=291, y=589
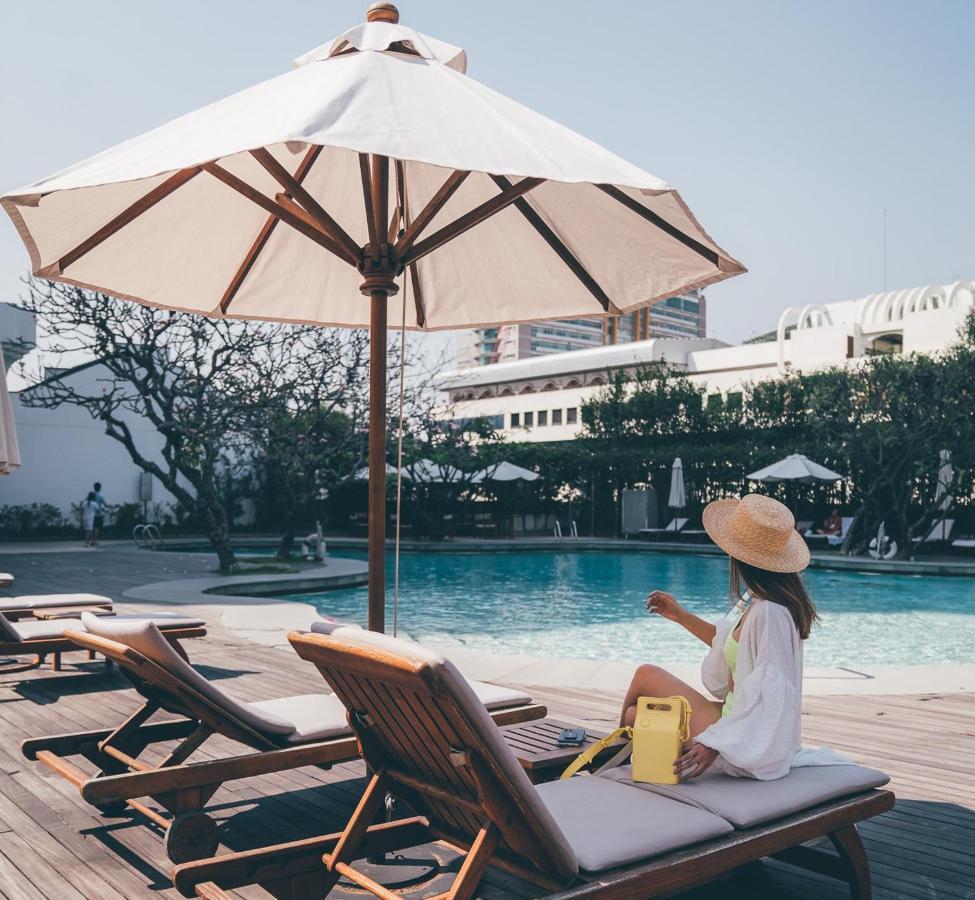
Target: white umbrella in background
x=795, y=467
x=426, y=471
x=504, y=471
x=363, y=473
x=376, y=157
x=678, y=493
x=9, y=451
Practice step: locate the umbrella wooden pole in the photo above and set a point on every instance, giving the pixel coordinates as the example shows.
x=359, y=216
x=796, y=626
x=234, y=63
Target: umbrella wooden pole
x=377, y=462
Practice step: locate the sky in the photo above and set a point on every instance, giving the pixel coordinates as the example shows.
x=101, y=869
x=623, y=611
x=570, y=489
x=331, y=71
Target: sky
x=789, y=127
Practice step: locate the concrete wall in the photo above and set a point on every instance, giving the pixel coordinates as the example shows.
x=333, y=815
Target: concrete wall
x=64, y=451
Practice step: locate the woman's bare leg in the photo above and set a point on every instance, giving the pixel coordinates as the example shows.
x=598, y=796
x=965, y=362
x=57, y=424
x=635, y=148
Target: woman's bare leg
x=652, y=681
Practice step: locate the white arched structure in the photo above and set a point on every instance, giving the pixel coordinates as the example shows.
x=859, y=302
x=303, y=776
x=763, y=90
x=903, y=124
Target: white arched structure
x=876, y=314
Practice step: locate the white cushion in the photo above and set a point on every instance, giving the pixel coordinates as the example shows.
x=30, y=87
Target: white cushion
x=746, y=802
x=314, y=717
x=609, y=824
x=5, y=579
x=46, y=601
x=494, y=696
x=41, y=629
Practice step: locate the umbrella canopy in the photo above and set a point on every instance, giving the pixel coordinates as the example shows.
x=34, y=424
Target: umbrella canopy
x=9, y=451
x=678, y=493
x=795, y=467
x=363, y=473
x=426, y=471
x=376, y=157
x=505, y=471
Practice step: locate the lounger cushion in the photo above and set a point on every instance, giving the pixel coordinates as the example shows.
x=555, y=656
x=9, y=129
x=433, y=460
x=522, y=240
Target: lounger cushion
x=315, y=717
x=746, y=802
x=145, y=638
x=55, y=628
x=46, y=601
x=534, y=812
x=610, y=824
x=493, y=696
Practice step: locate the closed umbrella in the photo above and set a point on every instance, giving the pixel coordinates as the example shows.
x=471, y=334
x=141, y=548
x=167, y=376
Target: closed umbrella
x=9, y=451
x=678, y=493
x=946, y=478
x=376, y=157
x=795, y=467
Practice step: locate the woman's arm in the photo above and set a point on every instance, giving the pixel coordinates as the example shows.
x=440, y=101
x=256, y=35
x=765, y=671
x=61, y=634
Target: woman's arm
x=666, y=605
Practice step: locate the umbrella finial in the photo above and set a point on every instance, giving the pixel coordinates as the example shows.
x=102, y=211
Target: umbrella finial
x=382, y=12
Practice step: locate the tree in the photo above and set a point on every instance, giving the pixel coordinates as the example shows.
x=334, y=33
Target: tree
x=218, y=392
x=304, y=423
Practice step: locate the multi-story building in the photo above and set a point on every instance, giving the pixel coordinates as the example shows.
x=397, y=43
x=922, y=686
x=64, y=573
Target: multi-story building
x=541, y=399
x=683, y=316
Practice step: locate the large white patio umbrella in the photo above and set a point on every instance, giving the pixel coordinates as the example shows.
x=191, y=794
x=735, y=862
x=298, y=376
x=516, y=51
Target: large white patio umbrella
x=795, y=467
x=376, y=157
x=9, y=450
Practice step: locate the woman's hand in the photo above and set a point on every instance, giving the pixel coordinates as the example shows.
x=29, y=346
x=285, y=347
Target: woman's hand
x=664, y=604
x=694, y=762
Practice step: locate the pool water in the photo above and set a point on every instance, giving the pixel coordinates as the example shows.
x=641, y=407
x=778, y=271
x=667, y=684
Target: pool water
x=590, y=605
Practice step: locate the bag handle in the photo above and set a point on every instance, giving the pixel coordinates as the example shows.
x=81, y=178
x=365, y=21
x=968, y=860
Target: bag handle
x=590, y=753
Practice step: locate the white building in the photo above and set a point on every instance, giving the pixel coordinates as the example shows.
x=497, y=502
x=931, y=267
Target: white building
x=540, y=399
x=64, y=451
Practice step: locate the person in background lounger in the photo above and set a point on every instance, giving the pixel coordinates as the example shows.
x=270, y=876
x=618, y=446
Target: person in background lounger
x=833, y=523
x=754, y=666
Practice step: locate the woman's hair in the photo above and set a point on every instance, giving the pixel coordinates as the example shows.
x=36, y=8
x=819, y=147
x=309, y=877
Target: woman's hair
x=91, y=496
x=784, y=588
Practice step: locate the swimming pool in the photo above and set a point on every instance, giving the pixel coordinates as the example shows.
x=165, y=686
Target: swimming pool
x=590, y=605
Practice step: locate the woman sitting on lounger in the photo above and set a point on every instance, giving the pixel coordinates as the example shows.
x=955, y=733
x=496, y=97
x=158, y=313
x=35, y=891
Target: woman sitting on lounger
x=754, y=665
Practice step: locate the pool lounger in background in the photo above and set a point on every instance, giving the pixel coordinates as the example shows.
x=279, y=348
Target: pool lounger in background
x=23, y=607
x=53, y=638
x=436, y=747
x=287, y=733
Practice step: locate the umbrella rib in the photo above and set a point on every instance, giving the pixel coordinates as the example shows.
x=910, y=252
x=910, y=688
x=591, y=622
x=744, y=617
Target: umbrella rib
x=366, y=175
x=404, y=203
x=660, y=222
x=318, y=214
x=563, y=252
x=275, y=209
x=467, y=221
x=149, y=200
x=304, y=167
x=434, y=205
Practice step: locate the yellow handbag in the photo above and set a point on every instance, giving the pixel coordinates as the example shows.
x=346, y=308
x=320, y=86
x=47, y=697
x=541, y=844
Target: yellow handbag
x=660, y=729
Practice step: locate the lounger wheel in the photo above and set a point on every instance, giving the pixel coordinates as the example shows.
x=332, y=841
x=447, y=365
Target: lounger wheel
x=191, y=836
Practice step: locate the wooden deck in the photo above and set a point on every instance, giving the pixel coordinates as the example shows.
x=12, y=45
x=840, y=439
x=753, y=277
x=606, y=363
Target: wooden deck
x=53, y=845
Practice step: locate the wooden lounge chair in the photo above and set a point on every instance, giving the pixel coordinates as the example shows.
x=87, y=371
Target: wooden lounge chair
x=42, y=638
x=286, y=733
x=427, y=741
x=26, y=606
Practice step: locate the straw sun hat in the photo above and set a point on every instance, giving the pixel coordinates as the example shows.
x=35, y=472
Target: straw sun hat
x=758, y=531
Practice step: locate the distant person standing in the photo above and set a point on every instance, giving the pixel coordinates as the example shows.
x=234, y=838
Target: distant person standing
x=89, y=513
x=99, y=512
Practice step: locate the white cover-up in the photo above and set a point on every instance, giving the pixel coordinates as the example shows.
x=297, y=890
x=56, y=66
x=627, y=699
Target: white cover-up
x=761, y=737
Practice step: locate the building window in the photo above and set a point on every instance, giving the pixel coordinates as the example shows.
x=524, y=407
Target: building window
x=529, y=419
x=516, y=420
x=543, y=417
x=556, y=416
x=571, y=416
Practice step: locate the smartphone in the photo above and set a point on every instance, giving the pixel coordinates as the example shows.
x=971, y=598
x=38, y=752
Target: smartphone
x=571, y=737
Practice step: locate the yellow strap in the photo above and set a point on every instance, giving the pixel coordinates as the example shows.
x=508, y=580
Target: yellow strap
x=590, y=753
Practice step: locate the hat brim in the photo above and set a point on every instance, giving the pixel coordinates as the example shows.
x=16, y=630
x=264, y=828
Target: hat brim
x=794, y=557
